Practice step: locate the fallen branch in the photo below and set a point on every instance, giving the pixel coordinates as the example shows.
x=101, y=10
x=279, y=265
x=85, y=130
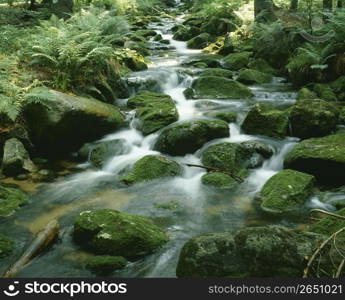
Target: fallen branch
x=340, y=268
x=327, y=213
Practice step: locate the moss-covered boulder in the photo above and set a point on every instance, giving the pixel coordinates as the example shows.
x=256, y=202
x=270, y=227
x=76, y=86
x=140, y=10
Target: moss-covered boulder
x=227, y=157
x=219, y=180
x=313, y=118
x=305, y=94
x=217, y=26
x=200, y=41
x=262, y=65
x=338, y=85
x=286, y=192
x=218, y=72
x=103, y=265
x=154, y=111
x=322, y=157
x=6, y=245
x=152, y=167
x=342, y=116
x=110, y=232
x=237, y=61
x=63, y=123
x=229, y=117
x=210, y=60
x=219, y=88
x=328, y=224
x=102, y=152
x=185, y=33
x=187, y=137
x=11, y=199
x=259, y=147
x=267, y=251
x=265, y=120
x=250, y=76
x=324, y=92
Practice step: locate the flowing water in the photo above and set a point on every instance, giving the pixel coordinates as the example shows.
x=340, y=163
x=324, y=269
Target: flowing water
x=197, y=208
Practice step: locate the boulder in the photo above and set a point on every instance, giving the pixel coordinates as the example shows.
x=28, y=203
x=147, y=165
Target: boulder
x=286, y=192
x=154, y=110
x=262, y=65
x=259, y=147
x=219, y=88
x=185, y=33
x=313, y=118
x=229, y=117
x=324, y=92
x=227, y=47
x=265, y=120
x=218, y=72
x=63, y=123
x=187, y=137
x=16, y=159
x=110, y=232
x=6, y=246
x=267, y=251
x=322, y=157
x=305, y=94
x=219, y=26
x=103, y=265
x=210, y=60
x=250, y=76
x=219, y=180
x=11, y=199
x=237, y=61
x=152, y=167
x=200, y=41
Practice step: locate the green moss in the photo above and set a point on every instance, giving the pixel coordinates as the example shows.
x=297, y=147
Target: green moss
x=237, y=61
x=185, y=33
x=154, y=110
x=217, y=72
x=329, y=225
x=220, y=88
x=229, y=117
x=342, y=116
x=211, y=60
x=172, y=205
x=187, y=137
x=265, y=120
x=6, y=246
x=200, y=41
x=11, y=199
x=324, y=92
x=305, y=94
x=105, y=264
x=110, y=232
x=152, y=167
x=250, y=76
x=219, y=179
x=262, y=66
x=286, y=191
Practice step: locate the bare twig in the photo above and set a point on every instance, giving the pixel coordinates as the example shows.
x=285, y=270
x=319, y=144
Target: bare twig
x=340, y=268
x=327, y=213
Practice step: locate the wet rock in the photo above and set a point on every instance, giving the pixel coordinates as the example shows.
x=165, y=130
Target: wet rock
x=259, y=147
x=250, y=76
x=219, y=88
x=265, y=120
x=64, y=123
x=187, y=137
x=158, y=38
x=103, y=265
x=217, y=72
x=286, y=192
x=211, y=60
x=227, y=47
x=11, y=199
x=313, y=118
x=110, y=232
x=152, y=167
x=102, y=152
x=200, y=41
x=229, y=117
x=185, y=33
x=329, y=225
x=267, y=251
x=146, y=33
x=237, y=61
x=16, y=159
x=6, y=246
x=155, y=111
x=219, y=180
x=322, y=157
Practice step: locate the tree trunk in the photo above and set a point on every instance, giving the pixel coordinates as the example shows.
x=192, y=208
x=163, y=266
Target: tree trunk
x=327, y=4
x=340, y=3
x=61, y=8
x=264, y=11
x=294, y=5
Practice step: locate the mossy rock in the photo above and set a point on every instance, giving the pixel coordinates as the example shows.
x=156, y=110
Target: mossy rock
x=103, y=265
x=218, y=72
x=152, y=167
x=187, y=137
x=229, y=117
x=110, y=232
x=342, y=116
x=219, y=88
x=154, y=110
x=322, y=157
x=219, y=180
x=305, y=94
x=324, y=92
x=6, y=246
x=237, y=61
x=262, y=65
x=338, y=85
x=226, y=156
x=210, y=60
x=220, y=26
x=313, y=118
x=265, y=120
x=146, y=33
x=329, y=225
x=259, y=147
x=200, y=41
x=286, y=192
x=11, y=199
x=250, y=76
x=185, y=33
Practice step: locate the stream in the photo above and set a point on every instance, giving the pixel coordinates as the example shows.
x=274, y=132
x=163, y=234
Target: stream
x=197, y=208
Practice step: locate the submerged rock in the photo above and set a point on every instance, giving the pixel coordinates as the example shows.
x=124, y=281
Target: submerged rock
x=313, y=118
x=154, y=110
x=268, y=251
x=250, y=76
x=11, y=199
x=219, y=180
x=285, y=192
x=237, y=61
x=16, y=159
x=187, y=137
x=6, y=246
x=103, y=265
x=63, y=123
x=152, y=167
x=219, y=88
x=322, y=157
x=265, y=120
x=111, y=232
